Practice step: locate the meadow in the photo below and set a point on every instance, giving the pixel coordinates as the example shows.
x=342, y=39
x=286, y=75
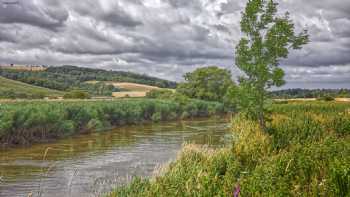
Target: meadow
x=304, y=152
x=16, y=89
x=27, y=122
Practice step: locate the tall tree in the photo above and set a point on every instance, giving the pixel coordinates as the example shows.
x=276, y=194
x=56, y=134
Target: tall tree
x=208, y=83
x=267, y=39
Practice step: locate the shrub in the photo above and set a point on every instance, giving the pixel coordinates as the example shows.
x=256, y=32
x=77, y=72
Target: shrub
x=159, y=94
x=326, y=98
x=77, y=94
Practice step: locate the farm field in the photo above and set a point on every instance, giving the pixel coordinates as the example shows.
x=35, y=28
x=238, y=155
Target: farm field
x=342, y=99
x=130, y=89
x=306, y=152
x=23, y=68
x=134, y=86
x=135, y=94
x=312, y=99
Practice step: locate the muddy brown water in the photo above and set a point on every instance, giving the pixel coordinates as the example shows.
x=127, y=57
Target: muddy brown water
x=92, y=164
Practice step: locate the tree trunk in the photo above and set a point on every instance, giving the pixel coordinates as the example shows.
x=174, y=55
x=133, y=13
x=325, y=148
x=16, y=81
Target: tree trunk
x=261, y=114
x=262, y=121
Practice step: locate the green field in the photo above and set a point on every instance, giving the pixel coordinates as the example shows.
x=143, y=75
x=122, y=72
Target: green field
x=304, y=152
x=11, y=88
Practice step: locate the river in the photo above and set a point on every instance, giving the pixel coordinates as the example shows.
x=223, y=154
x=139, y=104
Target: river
x=92, y=164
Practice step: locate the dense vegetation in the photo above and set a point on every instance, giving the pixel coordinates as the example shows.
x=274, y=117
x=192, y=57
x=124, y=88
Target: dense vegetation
x=306, y=152
x=268, y=36
x=76, y=94
x=10, y=89
x=29, y=122
x=208, y=83
x=304, y=93
x=66, y=78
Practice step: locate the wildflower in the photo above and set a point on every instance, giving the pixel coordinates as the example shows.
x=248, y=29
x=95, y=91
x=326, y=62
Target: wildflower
x=236, y=191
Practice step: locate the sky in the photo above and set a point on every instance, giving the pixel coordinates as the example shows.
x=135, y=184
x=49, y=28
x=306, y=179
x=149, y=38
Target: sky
x=167, y=38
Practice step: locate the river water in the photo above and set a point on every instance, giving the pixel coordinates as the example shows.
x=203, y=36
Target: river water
x=92, y=164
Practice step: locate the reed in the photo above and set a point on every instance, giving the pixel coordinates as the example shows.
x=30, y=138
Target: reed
x=304, y=153
x=25, y=123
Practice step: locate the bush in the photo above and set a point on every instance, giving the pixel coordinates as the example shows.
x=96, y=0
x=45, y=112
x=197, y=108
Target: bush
x=159, y=94
x=77, y=94
x=326, y=98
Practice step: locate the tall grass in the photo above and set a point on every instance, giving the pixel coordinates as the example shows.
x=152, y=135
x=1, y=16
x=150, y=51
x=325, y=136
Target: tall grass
x=28, y=122
x=306, y=152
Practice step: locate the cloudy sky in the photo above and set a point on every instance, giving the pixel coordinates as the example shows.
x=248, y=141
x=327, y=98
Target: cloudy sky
x=166, y=38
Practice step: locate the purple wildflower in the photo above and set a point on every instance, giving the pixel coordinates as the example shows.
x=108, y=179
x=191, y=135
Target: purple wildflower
x=236, y=191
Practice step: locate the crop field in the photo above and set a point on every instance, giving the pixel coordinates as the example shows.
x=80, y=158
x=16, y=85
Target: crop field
x=343, y=99
x=129, y=86
x=24, y=68
x=134, y=86
x=131, y=89
x=129, y=94
x=312, y=99
x=304, y=152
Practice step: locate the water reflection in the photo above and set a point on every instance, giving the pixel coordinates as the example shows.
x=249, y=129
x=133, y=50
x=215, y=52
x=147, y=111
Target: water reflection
x=87, y=165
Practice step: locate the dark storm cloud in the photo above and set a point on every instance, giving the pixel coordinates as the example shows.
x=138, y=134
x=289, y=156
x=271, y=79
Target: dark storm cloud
x=111, y=12
x=167, y=38
x=28, y=12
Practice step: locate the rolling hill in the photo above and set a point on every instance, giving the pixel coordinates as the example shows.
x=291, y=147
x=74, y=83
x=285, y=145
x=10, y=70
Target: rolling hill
x=65, y=78
x=16, y=89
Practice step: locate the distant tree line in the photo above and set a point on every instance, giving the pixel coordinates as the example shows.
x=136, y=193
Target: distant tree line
x=305, y=93
x=66, y=78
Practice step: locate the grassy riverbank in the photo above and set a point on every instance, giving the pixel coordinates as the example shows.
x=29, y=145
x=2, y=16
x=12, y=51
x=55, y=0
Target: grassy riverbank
x=306, y=152
x=24, y=123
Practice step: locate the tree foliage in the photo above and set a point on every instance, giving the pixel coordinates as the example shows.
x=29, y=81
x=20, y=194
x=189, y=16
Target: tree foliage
x=77, y=94
x=208, y=83
x=267, y=39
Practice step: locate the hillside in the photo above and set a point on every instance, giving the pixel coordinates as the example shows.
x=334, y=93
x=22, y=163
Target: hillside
x=65, y=78
x=87, y=74
x=129, y=89
x=15, y=89
x=127, y=86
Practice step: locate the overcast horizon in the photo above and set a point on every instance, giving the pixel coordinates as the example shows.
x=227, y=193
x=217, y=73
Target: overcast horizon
x=167, y=38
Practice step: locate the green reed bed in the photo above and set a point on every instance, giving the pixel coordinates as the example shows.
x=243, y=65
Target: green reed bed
x=305, y=152
x=30, y=122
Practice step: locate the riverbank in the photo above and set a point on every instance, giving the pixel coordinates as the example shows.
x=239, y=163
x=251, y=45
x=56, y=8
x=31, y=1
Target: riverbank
x=306, y=151
x=25, y=123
